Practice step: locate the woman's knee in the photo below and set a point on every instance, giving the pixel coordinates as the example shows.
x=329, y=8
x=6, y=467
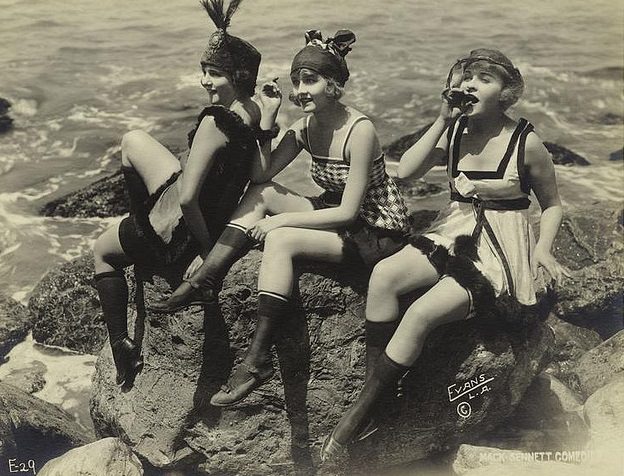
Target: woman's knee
x=107, y=251
x=131, y=142
x=384, y=277
x=282, y=241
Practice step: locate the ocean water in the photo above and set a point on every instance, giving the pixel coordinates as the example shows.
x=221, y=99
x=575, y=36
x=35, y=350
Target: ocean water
x=81, y=73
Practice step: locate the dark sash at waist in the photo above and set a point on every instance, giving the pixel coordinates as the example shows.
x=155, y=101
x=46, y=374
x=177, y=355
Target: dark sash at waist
x=509, y=204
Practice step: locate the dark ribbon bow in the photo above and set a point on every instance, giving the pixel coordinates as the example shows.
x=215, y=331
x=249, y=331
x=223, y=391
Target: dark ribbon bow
x=339, y=44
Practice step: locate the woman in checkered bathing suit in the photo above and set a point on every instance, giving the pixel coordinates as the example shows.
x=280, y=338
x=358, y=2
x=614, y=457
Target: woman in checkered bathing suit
x=480, y=250
x=360, y=216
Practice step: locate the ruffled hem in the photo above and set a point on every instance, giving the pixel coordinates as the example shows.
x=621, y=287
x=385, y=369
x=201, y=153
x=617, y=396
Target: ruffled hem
x=486, y=304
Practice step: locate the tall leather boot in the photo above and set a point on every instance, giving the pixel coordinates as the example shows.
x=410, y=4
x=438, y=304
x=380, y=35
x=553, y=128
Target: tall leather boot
x=386, y=373
x=113, y=292
x=257, y=367
x=204, y=285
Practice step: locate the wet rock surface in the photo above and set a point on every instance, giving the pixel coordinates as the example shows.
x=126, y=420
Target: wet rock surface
x=6, y=121
x=34, y=429
x=15, y=323
x=65, y=308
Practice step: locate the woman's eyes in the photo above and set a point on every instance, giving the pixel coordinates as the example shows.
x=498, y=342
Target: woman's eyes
x=213, y=73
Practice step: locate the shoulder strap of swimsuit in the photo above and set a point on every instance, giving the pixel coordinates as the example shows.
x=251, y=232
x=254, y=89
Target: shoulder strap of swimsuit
x=454, y=134
x=306, y=134
x=525, y=184
x=348, y=134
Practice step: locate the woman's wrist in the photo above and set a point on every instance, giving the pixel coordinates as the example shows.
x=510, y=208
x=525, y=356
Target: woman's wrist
x=264, y=135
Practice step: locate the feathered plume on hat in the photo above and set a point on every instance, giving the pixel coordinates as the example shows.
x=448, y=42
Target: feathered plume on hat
x=227, y=52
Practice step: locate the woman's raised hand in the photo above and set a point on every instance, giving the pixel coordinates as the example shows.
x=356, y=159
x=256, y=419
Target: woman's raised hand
x=270, y=98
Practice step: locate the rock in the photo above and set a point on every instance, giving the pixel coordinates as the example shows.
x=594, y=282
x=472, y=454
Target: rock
x=103, y=198
x=590, y=243
x=30, y=379
x=321, y=361
x=397, y=148
x=6, y=122
x=617, y=155
x=14, y=324
x=598, y=366
x=418, y=188
x=5, y=105
x=604, y=413
x=564, y=156
x=571, y=342
x=610, y=119
x=469, y=457
x=65, y=308
x=553, y=409
x=106, y=457
x=36, y=429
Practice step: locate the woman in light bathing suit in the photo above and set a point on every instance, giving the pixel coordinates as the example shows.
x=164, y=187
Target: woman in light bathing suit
x=179, y=209
x=360, y=216
x=479, y=248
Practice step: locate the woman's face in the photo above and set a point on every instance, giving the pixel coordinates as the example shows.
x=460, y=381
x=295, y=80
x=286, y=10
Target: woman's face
x=482, y=81
x=310, y=90
x=219, y=86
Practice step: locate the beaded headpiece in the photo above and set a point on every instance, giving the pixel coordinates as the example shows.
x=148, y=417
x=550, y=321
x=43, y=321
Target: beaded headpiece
x=233, y=55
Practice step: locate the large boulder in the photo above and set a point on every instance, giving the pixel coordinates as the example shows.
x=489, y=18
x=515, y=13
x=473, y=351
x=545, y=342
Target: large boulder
x=106, y=457
x=321, y=363
x=33, y=429
x=604, y=413
x=65, y=308
x=590, y=244
x=555, y=411
x=571, y=343
x=14, y=324
x=598, y=366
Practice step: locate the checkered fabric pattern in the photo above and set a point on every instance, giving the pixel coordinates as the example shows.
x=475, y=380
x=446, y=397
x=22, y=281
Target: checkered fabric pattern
x=383, y=205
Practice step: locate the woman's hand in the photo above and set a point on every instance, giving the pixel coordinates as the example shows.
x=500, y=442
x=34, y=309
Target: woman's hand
x=194, y=266
x=448, y=112
x=544, y=258
x=270, y=98
x=262, y=227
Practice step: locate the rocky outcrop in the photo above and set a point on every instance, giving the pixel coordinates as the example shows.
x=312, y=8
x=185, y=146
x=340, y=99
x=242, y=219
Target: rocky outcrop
x=604, y=412
x=564, y=156
x=321, y=363
x=103, y=198
x=30, y=379
x=590, y=244
x=280, y=427
x=6, y=122
x=598, y=366
x=571, y=342
x=34, y=429
x=617, y=155
x=14, y=324
x=106, y=457
x=65, y=308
